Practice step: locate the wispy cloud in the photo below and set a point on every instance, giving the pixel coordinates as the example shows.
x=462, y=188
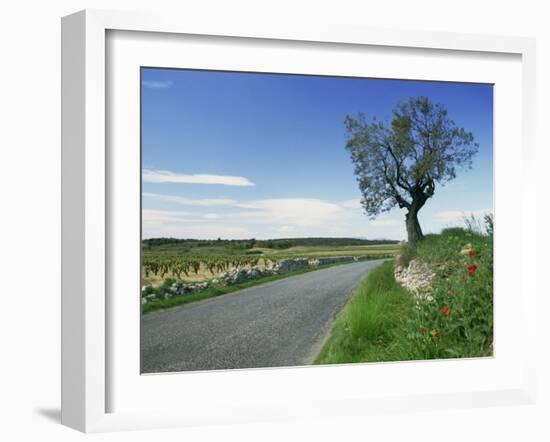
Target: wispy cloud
x=352, y=204
x=178, y=224
x=262, y=218
x=274, y=211
x=283, y=217
x=165, y=176
x=207, y=202
x=157, y=84
x=457, y=217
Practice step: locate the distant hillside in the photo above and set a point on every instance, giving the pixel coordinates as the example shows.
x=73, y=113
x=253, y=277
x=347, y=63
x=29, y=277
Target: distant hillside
x=245, y=244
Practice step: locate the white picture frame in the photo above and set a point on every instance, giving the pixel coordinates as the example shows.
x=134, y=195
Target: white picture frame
x=86, y=212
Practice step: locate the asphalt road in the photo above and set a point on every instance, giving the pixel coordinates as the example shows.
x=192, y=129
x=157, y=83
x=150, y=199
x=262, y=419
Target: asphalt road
x=281, y=323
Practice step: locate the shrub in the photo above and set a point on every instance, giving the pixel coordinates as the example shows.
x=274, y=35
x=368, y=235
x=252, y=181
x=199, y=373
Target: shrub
x=148, y=290
x=407, y=252
x=384, y=322
x=489, y=224
x=461, y=311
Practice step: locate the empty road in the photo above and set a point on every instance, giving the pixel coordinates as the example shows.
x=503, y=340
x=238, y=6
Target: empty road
x=281, y=323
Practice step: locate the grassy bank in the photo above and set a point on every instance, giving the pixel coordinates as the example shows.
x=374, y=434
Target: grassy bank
x=383, y=322
x=219, y=290
x=370, y=326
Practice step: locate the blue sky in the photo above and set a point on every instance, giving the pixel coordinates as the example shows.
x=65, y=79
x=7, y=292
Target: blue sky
x=242, y=155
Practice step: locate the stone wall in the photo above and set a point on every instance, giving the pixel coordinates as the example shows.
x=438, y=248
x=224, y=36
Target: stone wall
x=416, y=277
x=291, y=265
x=332, y=260
x=238, y=274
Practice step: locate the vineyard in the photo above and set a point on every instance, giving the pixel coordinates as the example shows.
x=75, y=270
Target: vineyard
x=187, y=266
x=204, y=263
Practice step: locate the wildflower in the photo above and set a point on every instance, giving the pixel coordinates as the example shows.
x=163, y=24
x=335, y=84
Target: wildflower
x=436, y=334
x=466, y=249
x=445, y=310
x=423, y=330
x=471, y=270
x=471, y=253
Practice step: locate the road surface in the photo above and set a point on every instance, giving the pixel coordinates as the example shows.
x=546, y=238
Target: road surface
x=277, y=324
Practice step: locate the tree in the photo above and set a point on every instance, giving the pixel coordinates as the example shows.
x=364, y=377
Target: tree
x=399, y=163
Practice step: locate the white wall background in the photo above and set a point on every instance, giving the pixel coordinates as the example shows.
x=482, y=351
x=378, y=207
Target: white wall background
x=30, y=215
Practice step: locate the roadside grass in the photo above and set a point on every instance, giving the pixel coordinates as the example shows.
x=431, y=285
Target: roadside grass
x=219, y=290
x=370, y=327
x=384, y=322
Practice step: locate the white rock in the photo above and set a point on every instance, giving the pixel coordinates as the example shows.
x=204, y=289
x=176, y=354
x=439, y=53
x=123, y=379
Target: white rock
x=417, y=277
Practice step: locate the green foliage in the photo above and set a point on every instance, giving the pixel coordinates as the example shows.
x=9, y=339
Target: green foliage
x=462, y=306
x=407, y=252
x=149, y=290
x=400, y=163
x=186, y=265
x=383, y=322
x=369, y=328
x=175, y=246
x=489, y=223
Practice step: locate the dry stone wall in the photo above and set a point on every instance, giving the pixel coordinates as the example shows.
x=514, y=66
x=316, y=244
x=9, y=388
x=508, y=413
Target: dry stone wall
x=416, y=277
x=238, y=274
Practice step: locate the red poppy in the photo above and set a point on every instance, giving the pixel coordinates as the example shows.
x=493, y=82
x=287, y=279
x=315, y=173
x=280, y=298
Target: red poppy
x=436, y=334
x=471, y=253
x=445, y=310
x=423, y=330
x=471, y=270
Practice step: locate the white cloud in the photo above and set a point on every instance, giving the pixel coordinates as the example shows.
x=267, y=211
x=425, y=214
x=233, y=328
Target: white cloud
x=291, y=211
x=157, y=84
x=386, y=221
x=181, y=224
x=191, y=202
x=161, y=217
x=279, y=211
x=457, y=217
x=284, y=217
x=265, y=218
x=165, y=176
x=286, y=229
x=352, y=204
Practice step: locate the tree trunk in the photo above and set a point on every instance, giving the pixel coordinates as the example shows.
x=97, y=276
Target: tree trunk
x=414, y=231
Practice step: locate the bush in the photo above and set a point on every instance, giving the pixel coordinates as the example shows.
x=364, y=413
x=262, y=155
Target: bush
x=407, y=252
x=149, y=290
x=458, y=320
x=384, y=322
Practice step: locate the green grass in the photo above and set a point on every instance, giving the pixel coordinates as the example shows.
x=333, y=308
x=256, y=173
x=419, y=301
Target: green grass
x=369, y=328
x=220, y=290
x=222, y=247
x=296, y=251
x=319, y=251
x=383, y=322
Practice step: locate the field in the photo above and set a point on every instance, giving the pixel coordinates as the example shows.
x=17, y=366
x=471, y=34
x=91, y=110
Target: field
x=193, y=260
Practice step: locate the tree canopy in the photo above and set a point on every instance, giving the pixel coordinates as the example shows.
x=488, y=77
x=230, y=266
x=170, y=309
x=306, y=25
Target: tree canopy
x=398, y=163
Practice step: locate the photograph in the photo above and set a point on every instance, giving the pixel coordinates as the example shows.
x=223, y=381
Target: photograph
x=303, y=220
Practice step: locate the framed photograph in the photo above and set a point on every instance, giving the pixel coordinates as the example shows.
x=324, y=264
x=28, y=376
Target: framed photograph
x=252, y=212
